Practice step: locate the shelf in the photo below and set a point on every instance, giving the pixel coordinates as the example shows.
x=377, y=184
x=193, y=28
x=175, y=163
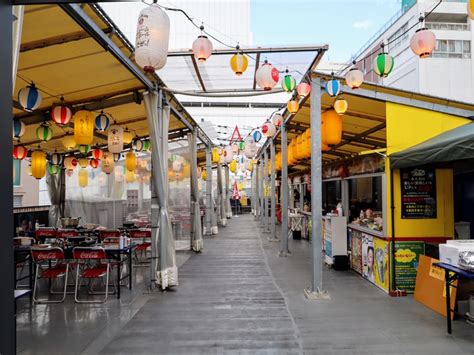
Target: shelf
x=366, y=230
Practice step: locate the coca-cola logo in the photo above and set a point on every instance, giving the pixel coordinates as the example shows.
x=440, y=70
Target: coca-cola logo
x=140, y=234
x=90, y=255
x=46, y=255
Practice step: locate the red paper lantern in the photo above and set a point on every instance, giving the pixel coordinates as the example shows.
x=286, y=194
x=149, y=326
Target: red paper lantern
x=61, y=115
x=303, y=89
x=19, y=152
x=94, y=163
x=97, y=153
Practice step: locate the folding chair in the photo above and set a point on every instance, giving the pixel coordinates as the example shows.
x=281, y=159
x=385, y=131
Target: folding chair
x=50, y=264
x=111, y=236
x=142, y=240
x=91, y=264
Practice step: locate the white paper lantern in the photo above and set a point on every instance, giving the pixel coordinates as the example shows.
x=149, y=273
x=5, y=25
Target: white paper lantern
x=118, y=174
x=267, y=76
x=177, y=165
x=70, y=162
x=115, y=139
x=251, y=148
x=202, y=48
x=107, y=162
x=423, y=42
x=277, y=119
x=354, y=78
x=268, y=129
x=228, y=154
x=152, y=41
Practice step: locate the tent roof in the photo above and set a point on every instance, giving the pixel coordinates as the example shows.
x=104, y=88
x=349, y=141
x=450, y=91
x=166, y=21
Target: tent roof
x=456, y=144
x=62, y=54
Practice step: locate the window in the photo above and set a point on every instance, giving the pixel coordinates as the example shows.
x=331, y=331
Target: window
x=452, y=49
x=17, y=200
x=365, y=192
x=16, y=172
x=331, y=195
x=445, y=26
x=398, y=38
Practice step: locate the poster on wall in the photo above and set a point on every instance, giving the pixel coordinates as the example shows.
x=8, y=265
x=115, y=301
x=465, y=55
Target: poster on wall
x=368, y=257
x=418, y=188
x=407, y=256
x=356, y=251
x=381, y=265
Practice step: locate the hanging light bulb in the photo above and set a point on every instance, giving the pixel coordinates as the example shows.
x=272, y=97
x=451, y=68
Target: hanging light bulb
x=152, y=41
x=423, y=42
x=340, y=106
x=202, y=47
x=383, y=64
x=239, y=62
x=293, y=106
x=267, y=76
x=303, y=89
x=354, y=78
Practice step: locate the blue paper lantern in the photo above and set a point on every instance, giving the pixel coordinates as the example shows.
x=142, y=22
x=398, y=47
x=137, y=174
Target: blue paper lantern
x=18, y=129
x=102, y=122
x=56, y=159
x=257, y=136
x=333, y=87
x=29, y=98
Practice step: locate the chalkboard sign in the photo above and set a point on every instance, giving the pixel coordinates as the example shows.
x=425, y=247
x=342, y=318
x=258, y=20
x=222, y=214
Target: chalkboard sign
x=418, y=193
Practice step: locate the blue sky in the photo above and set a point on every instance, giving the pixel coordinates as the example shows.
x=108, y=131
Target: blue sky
x=343, y=24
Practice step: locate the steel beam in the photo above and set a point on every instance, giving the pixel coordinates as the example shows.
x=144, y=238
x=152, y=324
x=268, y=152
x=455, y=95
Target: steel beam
x=266, y=196
x=198, y=73
x=284, y=192
x=273, y=193
x=208, y=191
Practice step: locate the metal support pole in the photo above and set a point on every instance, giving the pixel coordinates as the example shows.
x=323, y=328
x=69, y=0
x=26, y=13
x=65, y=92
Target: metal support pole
x=266, y=196
x=208, y=191
x=7, y=302
x=262, y=193
x=257, y=190
x=228, y=207
x=316, y=290
x=273, y=193
x=301, y=196
x=284, y=192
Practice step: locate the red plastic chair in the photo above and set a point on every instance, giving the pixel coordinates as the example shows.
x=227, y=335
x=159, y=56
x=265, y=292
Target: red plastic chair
x=142, y=240
x=91, y=264
x=111, y=236
x=45, y=233
x=50, y=264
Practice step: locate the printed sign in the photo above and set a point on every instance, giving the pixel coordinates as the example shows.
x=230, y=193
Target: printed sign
x=368, y=257
x=418, y=188
x=407, y=255
x=356, y=251
x=381, y=265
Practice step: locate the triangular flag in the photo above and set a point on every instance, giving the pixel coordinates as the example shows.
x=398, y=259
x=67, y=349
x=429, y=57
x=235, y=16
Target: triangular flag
x=236, y=135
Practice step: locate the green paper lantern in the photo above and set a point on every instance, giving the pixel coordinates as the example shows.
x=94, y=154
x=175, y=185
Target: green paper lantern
x=241, y=145
x=146, y=145
x=44, y=133
x=53, y=169
x=288, y=83
x=383, y=65
x=84, y=149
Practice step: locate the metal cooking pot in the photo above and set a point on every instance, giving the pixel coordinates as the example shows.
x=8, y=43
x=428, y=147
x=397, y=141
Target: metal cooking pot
x=68, y=222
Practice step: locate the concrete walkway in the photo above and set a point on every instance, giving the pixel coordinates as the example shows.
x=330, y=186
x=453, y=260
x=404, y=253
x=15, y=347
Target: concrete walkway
x=238, y=296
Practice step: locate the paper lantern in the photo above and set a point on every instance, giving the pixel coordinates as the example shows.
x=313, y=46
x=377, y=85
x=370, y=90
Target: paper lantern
x=215, y=156
x=18, y=129
x=239, y=63
x=130, y=161
x=202, y=48
x=83, y=178
x=250, y=148
x=70, y=162
x=129, y=176
x=277, y=119
x=138, y=145
x=470, y=8
x=127, y=136
x=19, y=152
x=83, y=127
x=68, y=141
x=97, y=153
x=143, y=164
x=383, y=65
x=44, y=132
x=340, y=106
x=117, y=157
x=61, y=115
x=53, y=169
x=118, y=174
x=267, y=76
x=29, y=98
x=83, y=162
x=115, y=139
x=333, y=87
x=257, y=136
x=56, y=159
x=332, y=127
x=293, y=106
x=354, y=78
x=303, y=89
x=94, y=163
x=233, y=166
x=152, y=40
x=204, y=174
x=268, y=129
x=107, y=162
x=38, y=164
x=228, y=154
x=177, y=166
x=102, y=122
x=423, y=42
x=241, y=145
x=84, y=149
x=69, y=173
x=288, y=83
x=146, y=145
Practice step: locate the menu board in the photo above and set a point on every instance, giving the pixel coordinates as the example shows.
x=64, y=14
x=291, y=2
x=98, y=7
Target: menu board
x=407, y=255
x=418, y=193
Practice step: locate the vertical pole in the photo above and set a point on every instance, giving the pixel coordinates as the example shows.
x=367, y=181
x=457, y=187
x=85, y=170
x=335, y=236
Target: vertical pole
x=7, y=302
x=301, y=196
x=284, y=191
x=257, y=190
x=227, y=194
x=265, y=181
x=273, y=191
x=208, y=191
x=262, y=192
x=316, y=187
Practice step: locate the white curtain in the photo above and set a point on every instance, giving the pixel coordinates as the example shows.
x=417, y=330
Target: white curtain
x=196, y=228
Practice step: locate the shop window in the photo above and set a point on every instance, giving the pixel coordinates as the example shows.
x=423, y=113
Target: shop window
x=452, y=49
x=365, y=194
x=331, y=195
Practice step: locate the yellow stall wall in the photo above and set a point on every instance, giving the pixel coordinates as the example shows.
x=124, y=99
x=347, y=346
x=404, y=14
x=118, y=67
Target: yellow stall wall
x=406, y=127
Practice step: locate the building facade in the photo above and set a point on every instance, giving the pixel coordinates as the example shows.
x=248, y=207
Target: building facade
x=448, y=73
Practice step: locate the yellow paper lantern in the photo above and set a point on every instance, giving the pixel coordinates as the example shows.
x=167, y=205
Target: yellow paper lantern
x=233, y=166
x=83, y=178
x=470, y=8
x=332, y=128
x=129, y=176
x=83, y=162
x=186, y=171
x=83, y=127
x=293, y=106
x=204, y=174
x=69, y=141
x=340, y=106
x=216, y=158
x=130, y=161
x=127, y=136
x=250, y=168
x=239, y=63
x=38, y=164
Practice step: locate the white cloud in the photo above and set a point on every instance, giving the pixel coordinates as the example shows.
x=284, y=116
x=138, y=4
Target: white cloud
x=362, y=25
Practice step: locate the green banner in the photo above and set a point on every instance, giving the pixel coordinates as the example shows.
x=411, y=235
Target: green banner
x=407, y=255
